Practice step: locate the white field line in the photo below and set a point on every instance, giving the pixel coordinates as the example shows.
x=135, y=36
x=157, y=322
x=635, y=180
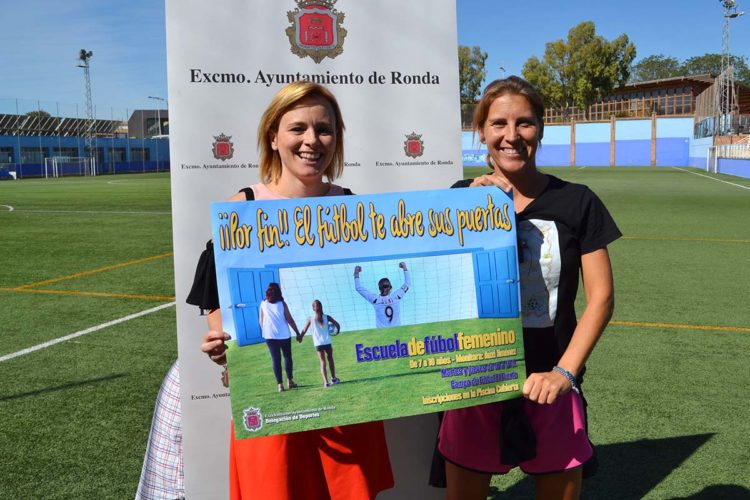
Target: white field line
x=130, y=181
x=10, y=209
x=83, y=332
x=712, y=178
x=103, y=212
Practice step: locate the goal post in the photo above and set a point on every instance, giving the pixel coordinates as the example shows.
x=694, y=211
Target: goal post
x=712, y=160
x=60, y=166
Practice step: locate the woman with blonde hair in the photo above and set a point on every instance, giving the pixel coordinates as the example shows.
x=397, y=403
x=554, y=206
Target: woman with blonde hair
x=300, y=139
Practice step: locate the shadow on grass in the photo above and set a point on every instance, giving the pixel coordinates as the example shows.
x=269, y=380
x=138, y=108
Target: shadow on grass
x=62, y=387
x=719, y=492
x=629, y=471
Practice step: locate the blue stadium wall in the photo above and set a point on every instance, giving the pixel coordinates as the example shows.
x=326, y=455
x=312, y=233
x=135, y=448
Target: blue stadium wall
x=592, y=144
x=675, y=146
x=740, y=168
x=25, y=155
x=729, y=166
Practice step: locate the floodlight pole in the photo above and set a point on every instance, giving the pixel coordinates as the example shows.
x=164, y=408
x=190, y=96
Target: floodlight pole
x=158, y=110
x=83, y=57
x=158, y=119
x=726, y=97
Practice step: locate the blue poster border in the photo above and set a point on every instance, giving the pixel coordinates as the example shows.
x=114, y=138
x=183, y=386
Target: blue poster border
x=451, y=369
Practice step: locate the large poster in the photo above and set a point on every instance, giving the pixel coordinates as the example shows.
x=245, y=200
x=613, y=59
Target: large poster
x=447, y=338
x=393, y=67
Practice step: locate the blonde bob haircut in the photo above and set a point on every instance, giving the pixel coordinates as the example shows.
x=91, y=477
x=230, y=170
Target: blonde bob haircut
x=285, y=100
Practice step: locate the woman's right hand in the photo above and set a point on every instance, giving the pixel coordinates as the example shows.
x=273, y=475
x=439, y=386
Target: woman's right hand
x=213, y=345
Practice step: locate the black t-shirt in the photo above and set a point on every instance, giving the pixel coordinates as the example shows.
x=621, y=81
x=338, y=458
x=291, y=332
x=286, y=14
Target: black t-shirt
x=564, y=222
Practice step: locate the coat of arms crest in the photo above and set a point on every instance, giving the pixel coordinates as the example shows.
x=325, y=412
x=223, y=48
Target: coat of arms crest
x=413, y=145
x=316, y=30
x=223, y=147
x=252, y=419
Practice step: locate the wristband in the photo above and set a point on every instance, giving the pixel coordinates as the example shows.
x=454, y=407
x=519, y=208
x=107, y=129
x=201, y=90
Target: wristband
x=571, y=378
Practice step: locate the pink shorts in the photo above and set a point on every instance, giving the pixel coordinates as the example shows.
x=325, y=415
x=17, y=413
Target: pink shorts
x=470, y=437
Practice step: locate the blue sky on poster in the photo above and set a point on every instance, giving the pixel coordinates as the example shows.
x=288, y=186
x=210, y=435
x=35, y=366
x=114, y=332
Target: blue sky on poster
x=40, y=40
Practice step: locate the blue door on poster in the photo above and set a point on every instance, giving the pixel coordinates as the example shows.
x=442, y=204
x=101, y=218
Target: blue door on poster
x=496, y=281
x=248, y=289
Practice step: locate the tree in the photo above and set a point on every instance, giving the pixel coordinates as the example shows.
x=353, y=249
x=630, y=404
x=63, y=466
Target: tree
x=581, y=69
x=655, y=67
x=38, y=114
x=471, y=73
x=711, y=63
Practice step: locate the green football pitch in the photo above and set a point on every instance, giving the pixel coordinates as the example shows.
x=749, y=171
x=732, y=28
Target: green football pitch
x=88, y=333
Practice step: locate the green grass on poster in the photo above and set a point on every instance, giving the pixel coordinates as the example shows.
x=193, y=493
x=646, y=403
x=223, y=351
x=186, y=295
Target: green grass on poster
x=377, y=389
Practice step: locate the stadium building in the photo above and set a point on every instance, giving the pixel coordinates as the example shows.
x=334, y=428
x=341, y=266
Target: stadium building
x=667, y=122
x=38, y=144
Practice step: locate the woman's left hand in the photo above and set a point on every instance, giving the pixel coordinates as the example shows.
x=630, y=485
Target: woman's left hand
x=545, y=387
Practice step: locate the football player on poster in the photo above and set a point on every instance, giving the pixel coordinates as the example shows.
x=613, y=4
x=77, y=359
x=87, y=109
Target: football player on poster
x=388, y=304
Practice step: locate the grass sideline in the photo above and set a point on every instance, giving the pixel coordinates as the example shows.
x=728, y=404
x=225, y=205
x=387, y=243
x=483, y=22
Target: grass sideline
x=666, y=385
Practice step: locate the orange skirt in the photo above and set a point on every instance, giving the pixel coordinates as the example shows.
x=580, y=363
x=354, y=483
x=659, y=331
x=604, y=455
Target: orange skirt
x=340, y=463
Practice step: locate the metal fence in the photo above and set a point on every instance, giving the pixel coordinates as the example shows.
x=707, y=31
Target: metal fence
x=643, y=107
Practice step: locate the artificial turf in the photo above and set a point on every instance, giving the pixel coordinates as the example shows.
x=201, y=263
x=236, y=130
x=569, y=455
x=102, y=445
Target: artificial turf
x=666, y=385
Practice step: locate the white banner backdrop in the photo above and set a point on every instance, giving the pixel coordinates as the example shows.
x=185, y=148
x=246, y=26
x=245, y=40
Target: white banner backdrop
x=393, y=67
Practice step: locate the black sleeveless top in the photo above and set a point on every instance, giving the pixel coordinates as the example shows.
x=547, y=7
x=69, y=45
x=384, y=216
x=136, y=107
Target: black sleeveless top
x=204, y=293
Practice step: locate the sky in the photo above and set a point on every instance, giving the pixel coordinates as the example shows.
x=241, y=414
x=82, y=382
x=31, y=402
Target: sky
x=41, y=39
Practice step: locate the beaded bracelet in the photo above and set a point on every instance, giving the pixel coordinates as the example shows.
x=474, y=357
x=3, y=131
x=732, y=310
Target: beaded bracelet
x=569, y=376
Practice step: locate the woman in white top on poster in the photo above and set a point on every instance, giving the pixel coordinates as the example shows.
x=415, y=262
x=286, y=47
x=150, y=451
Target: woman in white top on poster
x=321, y=325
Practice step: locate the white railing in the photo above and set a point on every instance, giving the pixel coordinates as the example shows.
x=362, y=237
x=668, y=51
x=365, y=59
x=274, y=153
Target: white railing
x=735, y=151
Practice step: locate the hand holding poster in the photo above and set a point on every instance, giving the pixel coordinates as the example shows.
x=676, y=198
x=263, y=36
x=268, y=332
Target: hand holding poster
x=448, y=337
